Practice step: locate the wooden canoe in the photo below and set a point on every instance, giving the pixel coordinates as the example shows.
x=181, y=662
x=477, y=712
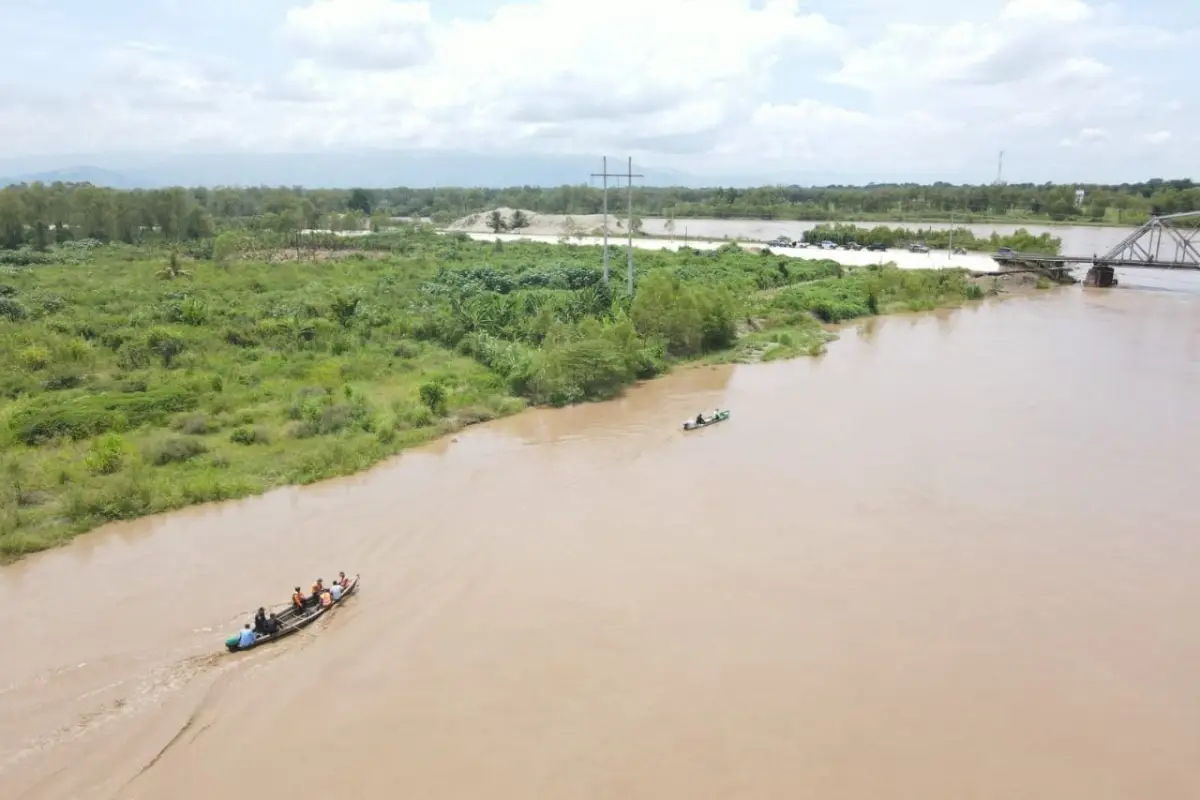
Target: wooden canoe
x=720, y=416
x=290, y=621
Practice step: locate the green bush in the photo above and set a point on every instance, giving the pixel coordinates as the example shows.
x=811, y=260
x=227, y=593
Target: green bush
x=172, y=450
x=433, y=395
x=196, y=424
x=79, y=417
x=247, y=435
x=34, y=357
x=12, y=309
x=66, y=379
x=106, y=454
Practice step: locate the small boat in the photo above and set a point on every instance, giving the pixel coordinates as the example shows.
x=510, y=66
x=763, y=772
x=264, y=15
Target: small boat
x=719, y=416
x=290, y=621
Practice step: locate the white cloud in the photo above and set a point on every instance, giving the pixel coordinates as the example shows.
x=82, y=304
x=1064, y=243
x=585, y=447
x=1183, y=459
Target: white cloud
x=868, y=86
x=362, y=34
x=1087, y=136
x=1158, y=137
x=1046, y=10
x=531, y=69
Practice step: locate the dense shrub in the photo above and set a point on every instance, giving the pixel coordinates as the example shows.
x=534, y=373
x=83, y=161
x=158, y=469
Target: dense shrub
x=174, y=449
x=196, y=424
x=247, y=435
x=12, y=309
x=433, y=395
x=82, y=416
x=34, y=357
x=106, y=454
x=66, y=379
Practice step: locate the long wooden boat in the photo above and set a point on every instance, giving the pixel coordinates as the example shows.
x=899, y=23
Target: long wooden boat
x=291, y=620
x=720, y=416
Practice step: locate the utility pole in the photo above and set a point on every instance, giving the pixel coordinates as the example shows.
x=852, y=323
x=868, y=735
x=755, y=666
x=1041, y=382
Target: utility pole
x=629, y=221
x=628, y=175
x=604, y=174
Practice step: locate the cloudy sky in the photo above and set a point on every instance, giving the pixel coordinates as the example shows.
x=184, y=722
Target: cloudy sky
x=1070, y=89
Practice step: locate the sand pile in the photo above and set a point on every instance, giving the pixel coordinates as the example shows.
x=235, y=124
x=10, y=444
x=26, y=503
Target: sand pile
x=542, y=224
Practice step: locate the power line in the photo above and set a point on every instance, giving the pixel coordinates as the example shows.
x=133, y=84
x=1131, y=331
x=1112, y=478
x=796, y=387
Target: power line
x=629, y=175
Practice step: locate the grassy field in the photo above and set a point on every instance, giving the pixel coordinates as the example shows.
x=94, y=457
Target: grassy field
x=136, y=381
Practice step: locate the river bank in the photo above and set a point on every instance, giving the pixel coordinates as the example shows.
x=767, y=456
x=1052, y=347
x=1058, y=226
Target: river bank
x=136, y=385
x=1078, y=240
x=909, y=584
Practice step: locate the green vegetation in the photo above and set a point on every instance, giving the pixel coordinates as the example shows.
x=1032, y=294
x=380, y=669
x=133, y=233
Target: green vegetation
x=137, y=379
x=1021, y=241
x=38, y=216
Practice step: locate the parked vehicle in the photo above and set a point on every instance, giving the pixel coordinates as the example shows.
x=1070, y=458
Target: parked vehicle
x=780, y=241
x=877, y=247
x=917, y=247
x=828, y=245
x=853, y=246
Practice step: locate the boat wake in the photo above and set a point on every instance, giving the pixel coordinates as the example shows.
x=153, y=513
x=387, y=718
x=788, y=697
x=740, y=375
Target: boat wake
x=110, y=702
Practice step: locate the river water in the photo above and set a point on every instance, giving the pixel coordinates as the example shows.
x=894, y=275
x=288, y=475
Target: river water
x=1077, y=240
x=957, y=556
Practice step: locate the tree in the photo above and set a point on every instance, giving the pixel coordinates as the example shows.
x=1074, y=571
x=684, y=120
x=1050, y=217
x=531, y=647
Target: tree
x=635, y=224
x=496, y=222
x=12, y=219
x=226, y=246
x=360, y=200
x=669, y=226
x=519, y=220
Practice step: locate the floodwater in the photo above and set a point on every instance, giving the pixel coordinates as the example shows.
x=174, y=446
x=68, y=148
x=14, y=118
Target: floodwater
x=956, y=557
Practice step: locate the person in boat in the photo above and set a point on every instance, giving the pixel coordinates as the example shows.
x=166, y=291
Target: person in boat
x=246, y=637
x=336, y=591
x=700, y=418
x=260, y=621
x=326, y=598
x=314, y=593
x=272, y=625
x=343, y=580
x=299, y=601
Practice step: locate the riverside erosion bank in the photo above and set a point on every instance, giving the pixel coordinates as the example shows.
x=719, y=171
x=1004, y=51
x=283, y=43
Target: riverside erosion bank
x=952, y=553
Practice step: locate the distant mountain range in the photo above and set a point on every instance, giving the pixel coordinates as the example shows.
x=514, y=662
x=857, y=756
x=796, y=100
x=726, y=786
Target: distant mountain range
x=366, y=170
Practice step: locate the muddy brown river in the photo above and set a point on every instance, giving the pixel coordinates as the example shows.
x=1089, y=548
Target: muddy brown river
x=956, y=557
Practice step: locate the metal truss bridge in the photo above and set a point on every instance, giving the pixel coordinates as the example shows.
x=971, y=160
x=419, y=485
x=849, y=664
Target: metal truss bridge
x=1167, y=242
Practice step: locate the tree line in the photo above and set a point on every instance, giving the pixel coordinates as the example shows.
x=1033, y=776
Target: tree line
x=39, y=215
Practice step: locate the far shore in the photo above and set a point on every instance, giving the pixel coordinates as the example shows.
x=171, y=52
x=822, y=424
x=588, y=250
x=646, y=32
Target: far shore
x=934, y=259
